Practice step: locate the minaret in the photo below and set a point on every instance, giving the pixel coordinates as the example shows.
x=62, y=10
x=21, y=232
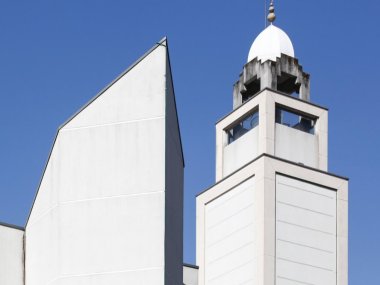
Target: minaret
x=275, y=214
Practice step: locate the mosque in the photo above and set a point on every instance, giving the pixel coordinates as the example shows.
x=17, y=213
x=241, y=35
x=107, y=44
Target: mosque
x=109, y=207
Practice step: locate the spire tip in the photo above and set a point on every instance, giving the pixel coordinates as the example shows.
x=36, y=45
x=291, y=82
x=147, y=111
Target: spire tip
x=271, y=16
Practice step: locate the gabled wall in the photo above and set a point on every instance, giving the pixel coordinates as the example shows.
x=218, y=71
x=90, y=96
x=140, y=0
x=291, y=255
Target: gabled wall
x=110, y=186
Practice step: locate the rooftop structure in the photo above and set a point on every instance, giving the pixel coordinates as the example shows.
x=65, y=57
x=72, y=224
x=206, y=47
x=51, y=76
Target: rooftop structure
x=270, y=44
x=275, y=214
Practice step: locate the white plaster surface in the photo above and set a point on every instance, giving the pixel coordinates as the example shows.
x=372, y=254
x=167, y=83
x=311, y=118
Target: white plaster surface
x=225, y=123
x=270, y=44
x=306, y=241
x=11, y=256
x=241, y=151
x=113, y=178
x=230, y=236
x=265, y=170
x=297, y=146
x=190, y=275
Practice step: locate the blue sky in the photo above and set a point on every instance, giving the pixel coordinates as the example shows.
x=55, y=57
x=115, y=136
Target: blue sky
x=56, y=55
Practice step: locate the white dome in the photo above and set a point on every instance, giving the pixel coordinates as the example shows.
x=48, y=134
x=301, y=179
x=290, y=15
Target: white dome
x=270, y=44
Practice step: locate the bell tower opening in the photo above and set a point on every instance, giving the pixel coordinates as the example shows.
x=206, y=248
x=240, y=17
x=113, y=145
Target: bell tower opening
x=251, y=89
x=287, y=83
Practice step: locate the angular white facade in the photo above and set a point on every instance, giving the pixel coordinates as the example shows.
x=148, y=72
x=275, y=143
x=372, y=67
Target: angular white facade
x=109, y=206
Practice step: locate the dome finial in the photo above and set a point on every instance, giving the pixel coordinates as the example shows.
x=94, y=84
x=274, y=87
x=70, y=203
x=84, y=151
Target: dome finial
x=271, y=16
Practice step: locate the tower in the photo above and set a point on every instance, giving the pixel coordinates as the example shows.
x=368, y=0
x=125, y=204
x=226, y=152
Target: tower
x=275, y=214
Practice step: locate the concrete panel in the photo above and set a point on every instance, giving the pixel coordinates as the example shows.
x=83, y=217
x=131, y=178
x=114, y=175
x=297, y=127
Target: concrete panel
x=136, y=95
x=306, y=242
x=241, y=151
x=190, y=275
x=297, y=146
x=11, y=256
x=86, y=154
x=296, y=273
x=74, y=164
x=230, y=236
x=94, y=231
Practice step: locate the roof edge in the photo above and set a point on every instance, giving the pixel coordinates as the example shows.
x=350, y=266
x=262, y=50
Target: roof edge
x=158, y=44
x=276, y=158
x=174, y=96
x=190, y=265
x=12, y=226
x=277, y=92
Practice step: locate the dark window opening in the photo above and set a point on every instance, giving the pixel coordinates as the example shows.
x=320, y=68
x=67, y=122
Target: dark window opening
x=295, y=120
x=286, y=83
x=241, y=128
x=251, y=89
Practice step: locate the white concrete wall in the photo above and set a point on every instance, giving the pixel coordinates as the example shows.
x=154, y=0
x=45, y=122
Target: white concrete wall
x=306, y=238
x=241, y=151
x=11, y=256
x=265, y=170
x=297, y=146
x=268, y=143
x=190, y=275
x=230, y=237
x=99, y=215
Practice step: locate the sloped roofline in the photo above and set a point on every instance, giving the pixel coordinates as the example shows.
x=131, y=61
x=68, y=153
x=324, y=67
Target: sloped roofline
x=12, y=226
x=174, y=97
x=162, y=42
x=276, y=158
